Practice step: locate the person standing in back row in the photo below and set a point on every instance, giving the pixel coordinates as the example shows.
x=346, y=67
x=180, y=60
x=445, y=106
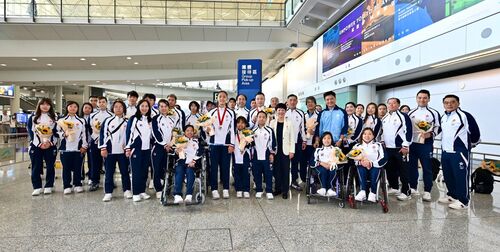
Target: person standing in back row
x=298, y=118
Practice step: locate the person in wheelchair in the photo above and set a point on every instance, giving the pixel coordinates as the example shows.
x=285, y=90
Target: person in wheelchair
x=370, y=165
x=322, y=162
x=186, y=167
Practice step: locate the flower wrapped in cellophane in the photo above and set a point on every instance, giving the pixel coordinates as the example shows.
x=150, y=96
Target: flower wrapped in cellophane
x=69, y=129
x=205, y=121
x=44, y=132
x=180, y=144
x=337, y=157
x=311, y=124
x=245, y=138
x=423, y=127
x=176, y=132
x=96, y=126
x=270, y=114
x=356, y=154
x=170, y=112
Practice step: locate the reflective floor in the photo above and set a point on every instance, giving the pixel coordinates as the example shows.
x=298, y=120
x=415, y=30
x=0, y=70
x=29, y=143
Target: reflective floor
x=83, y=222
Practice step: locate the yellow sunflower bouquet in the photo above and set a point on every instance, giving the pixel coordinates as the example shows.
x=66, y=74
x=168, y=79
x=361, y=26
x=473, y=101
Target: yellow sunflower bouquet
x=69, y=129
x=356, y=154
x=180, y=144
x=170, y=112
x=423, y=127
x=44, y=132
x=311, y=124
x=205, y=121
x=337, y=157
x=96, y=126
x=246, y=137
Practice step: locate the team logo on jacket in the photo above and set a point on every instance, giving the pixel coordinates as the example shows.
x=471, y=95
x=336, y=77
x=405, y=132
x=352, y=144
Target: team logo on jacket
x=462, y=166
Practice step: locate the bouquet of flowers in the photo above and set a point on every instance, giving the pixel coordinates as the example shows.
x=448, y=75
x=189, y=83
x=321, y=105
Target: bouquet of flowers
x=170, y=112
x=350, y=131
x=181, y=143
x=270, y=114
x=423, y=127
x=311, y=124
x=69, y=129
x=176, y=132
x=246, y=137
x=44, y=132
x=336, y=158
x=356, y=154
x=96, y=127
x=205, y=121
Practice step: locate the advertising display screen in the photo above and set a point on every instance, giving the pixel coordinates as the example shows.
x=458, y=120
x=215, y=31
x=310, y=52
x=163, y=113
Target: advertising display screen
x=7, y=90
x=413, y=15
x=378, y=24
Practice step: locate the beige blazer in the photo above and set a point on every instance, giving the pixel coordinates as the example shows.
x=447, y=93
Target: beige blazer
x=288, y=135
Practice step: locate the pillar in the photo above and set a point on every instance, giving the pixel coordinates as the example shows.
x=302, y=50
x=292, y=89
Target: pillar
x=86, y=93
x=58, y=100
x=366, y=93
x=15, y=103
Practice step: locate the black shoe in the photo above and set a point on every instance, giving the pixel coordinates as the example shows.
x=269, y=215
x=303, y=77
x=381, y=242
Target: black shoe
x=296, y=186
x=276, y=193
x=102, y=172
x=94, y=187
x=284, y=195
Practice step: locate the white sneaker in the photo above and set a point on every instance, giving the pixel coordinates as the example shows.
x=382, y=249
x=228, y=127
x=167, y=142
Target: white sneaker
x=36, y=192
x=258, y=195
x=361, y=196
x=372, y=197
x=447, y=200
x=178, y=199
x=393, y=191
x=78, y=189
x=158, y=195
x=136, y=198
x=107, y=197
x=47, y=190
x=188, y=198
x=67, y=191
x=414, y=192
x=457, y=205
x=321, y=191
x=127, y=194
x=89, y=182
x=239, y=194
x=331, y=193
x=246, y=195
x=215, y=195
x=225, y=194
x=426, y=196
x=144, y=196
x=269, y=196
x=403, y=197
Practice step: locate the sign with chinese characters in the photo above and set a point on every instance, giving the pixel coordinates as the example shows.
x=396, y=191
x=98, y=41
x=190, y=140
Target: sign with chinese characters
x=249, y=78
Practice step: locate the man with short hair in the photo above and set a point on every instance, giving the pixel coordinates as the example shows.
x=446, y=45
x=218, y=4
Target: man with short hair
x=382, y=110
x=172, y=104
x=132, y=98
x=260, y=98
x=298, y=119
x=332, y=119
x=241, y=108
x=93, y=101
x=232, y=103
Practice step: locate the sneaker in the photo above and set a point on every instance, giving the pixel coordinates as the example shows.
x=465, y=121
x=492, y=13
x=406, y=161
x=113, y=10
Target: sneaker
x=89, y=182
x=269, y=196
x=67, y=191
x=36, y=192
x=258, y=195
x=321, y=192
x=372, y=197
x=158, y=195
x=246, y=195
x=447, y=200
x=136, y=198
x=107, y=197
x=215, y=195
x=94, y=187
x=393, y=191
x=426, y=196
x=127, y=194
x=239, y=194
x=47, y=190
x=331, y=193
x=144, y=196
x=361, y=196
x=188, y=198
x=414, y=192
x=403, y=197
x=78, y=189
x=225, y=194
x=178, y=199
x=296, y=186
x=457, y=205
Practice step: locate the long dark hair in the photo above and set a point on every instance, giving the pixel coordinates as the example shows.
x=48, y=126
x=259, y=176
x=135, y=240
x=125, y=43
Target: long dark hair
x=51, y=112
x=138, y=113
x=366, y=111
x=323, y=136
x=82, y=115
x=68, y=103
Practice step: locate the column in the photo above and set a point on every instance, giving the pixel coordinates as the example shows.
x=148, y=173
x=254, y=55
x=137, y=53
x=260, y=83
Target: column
x=15, y=103
x=86, y=93
x=366, y=93
x=58, y=100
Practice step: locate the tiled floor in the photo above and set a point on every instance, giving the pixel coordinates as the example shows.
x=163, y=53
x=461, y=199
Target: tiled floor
x=83, y=222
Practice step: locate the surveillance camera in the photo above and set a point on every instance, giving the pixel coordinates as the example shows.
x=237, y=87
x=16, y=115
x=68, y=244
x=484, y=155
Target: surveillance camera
x=293, y=45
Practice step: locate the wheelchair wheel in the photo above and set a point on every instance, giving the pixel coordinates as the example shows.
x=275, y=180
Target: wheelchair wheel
x=200, y=198
x=308, y=185
x=383, y=185
x=350, y=187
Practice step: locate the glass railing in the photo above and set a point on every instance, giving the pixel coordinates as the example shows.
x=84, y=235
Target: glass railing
x=291, y=7
x=177, y=12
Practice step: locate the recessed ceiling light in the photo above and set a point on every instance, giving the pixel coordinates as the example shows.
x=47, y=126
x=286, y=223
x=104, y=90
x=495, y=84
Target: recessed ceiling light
x=83, y=59
x=157, y=80
x=128, y=81
x=97, y=81
x=129, y=58
x=4, y=65
x=140, y=84
x=93, y=64
x=25, y=88
x=66, y=81
x=136, y=63
x=74, y=84
x=34, y=90
x=42, y=91
x=34, y=59
x=48, y=64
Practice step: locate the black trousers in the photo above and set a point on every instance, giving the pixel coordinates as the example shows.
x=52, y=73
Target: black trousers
x=397, y=169
x=281, y=173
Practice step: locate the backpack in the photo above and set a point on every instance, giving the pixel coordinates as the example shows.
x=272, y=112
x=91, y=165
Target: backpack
x=482, y=181
x=435, y=164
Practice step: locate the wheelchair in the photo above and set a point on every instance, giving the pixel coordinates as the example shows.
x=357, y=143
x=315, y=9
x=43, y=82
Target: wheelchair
x=313, y=184
x=199, y=185
x=353, y=187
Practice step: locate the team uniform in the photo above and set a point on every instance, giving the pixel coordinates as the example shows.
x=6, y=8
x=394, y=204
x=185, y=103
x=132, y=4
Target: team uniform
x=191, y=119
x=375, y=153
x=298, y=119
x=96, y=118
x=193, y=151
x=264, y=145
x=326, y=176
x=253, y=115
x=242, y=111
x=131, y=110
x=371, y=121
x=241, y=167
x=309, y=152
x=423, y=151
x=460, y=133
x=113, y=139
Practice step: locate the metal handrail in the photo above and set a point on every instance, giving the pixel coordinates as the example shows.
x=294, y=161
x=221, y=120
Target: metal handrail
x=173, y=12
